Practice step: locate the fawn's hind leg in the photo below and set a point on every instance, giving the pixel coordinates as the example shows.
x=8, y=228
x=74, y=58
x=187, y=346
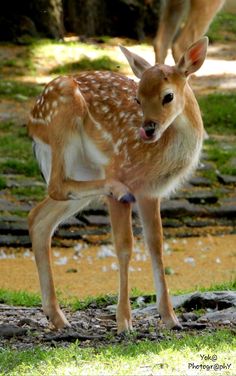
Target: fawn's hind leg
x=43, y=220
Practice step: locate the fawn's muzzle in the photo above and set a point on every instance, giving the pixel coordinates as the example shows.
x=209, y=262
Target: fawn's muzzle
x=147, y=131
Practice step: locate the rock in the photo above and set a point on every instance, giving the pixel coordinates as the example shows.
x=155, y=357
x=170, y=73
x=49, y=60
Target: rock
x=179, y=300
x=179, y=208
x=225, y=316
x=9, y=331
x=200, y=181
x=194, y=325
x=12, y=207
x=202, y=197
x=15, y=241
x=171, y=223
x=150, y=310
x=98, y=220
x=226, y=179
x=214, y=300
x=71, y=336
x=206, y=165
x=227, y=211
x=194, y=223
x=16, y=228
x=189, y=316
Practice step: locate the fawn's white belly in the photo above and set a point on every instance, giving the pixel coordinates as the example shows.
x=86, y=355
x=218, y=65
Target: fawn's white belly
x=82, y=159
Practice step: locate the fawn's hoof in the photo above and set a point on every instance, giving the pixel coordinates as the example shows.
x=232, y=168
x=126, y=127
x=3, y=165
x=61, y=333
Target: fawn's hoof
x=177, y=327
x=127, y=198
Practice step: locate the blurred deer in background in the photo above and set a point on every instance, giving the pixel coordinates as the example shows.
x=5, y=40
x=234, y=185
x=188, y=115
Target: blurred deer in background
x=100, y=133
x=198, y=15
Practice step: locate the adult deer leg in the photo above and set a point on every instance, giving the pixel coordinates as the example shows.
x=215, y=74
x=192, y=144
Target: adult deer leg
x=201, y=13
x=150, y=214
x=42, y=222
x=172, y=12
x=121, y=222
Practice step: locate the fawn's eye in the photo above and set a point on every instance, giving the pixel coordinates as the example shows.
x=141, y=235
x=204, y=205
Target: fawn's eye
x=136, y=100
x=168, y=98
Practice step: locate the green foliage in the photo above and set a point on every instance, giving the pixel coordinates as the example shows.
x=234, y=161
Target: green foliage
x=15, y=166
x=219, y=112
x=230, y=286
x=34, y=192
x=99, y=301
x=222, y=154
x=223, y=27
x=85, y=63
x=225, y=286
x=19, y=298
x=18, y=90
x=3, y=183
x=25, y=298
x=16, y=151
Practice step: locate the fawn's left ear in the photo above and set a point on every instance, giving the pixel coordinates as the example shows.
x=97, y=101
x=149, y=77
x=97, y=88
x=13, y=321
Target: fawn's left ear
x=194, y=57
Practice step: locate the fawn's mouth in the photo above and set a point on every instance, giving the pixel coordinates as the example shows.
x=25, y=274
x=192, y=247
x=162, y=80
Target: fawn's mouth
x=149, y=131
x=144, y=136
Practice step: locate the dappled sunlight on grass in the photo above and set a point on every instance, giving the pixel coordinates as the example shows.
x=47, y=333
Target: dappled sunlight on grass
x=85, y=63
x=173, y=357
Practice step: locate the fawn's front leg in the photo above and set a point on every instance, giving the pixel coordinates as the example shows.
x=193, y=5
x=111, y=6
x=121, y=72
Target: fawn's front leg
x=43, y=220
x=150, y=214
x=121, y=222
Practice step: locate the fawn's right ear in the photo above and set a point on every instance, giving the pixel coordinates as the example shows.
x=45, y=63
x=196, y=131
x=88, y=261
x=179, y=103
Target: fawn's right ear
x=137, y=63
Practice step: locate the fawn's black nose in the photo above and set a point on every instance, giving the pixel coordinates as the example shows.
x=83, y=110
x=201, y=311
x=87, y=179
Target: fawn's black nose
x=148, y=129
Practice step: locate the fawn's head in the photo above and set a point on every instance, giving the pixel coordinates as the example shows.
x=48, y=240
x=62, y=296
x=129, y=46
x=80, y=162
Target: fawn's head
x=161, y=88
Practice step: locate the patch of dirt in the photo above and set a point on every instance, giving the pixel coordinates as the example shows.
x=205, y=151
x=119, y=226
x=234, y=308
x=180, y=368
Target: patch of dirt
x=95, y=326
x=84, y=271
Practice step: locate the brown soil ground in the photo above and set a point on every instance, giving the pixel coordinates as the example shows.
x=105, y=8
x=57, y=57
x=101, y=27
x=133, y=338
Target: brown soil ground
x=195, y=262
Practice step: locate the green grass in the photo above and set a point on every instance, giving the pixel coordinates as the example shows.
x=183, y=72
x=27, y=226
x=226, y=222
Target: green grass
x=101, y=301
x=15, y=166
x=21, y=63
x=19, y=91
x=219, y=112
x=73, y=56
x=85, y=64
x=33, y=192
x=16, y=151
x=19, y=298
x=3, y=183
x=168, y=357
x=223, y=28
x=226, y=286
x=223, y=155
